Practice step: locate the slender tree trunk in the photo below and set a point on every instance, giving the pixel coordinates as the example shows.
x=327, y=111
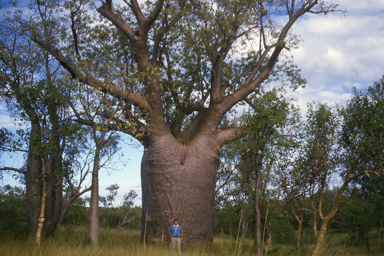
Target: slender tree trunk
x=244, y=227
x=230, y=229
x=178, y=181
x=58, y=189
x=40, y=226
x=299, y=220
x=298, y=236
x=258, y=245
x=325, y=220
x=94, y=223
x=321, y=236
x=33, y=180
x=314, y=219
x=324, y=224
x=64, y=211
x=268, y=237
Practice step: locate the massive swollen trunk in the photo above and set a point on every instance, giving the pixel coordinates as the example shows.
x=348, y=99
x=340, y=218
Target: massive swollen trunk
x=178, y=181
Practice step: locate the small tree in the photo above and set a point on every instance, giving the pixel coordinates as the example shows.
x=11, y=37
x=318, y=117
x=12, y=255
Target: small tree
x=112, y=189
x=264, y=125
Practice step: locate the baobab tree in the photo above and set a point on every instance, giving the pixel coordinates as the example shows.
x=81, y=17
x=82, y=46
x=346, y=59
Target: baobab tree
x=174, y=69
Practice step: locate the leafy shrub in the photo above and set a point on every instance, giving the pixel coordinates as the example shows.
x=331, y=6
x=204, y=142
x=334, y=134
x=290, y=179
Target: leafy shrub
x=13, y=212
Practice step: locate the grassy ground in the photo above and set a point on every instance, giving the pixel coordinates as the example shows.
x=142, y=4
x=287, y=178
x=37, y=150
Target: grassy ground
x=72, y=241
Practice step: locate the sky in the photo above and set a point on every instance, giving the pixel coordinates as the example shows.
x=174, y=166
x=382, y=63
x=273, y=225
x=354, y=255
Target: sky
x=337, y=53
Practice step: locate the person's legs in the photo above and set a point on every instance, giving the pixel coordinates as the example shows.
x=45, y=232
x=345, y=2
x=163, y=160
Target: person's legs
x=178, y=244
x=174, y=243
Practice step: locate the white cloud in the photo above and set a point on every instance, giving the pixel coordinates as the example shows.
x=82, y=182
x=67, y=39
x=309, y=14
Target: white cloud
x=340, y=53
x=10, y=123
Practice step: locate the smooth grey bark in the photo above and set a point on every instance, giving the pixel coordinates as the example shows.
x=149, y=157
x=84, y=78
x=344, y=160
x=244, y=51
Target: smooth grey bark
x=94, y=223
x=178, y=181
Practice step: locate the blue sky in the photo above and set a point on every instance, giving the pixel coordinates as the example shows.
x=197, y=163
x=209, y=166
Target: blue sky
x=337, y=53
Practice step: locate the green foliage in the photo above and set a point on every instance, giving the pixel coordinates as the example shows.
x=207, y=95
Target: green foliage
x=112, y=217
x=363, y=129
x=112, y=193
x=77, y=213
x=14, y=219
x=115, y=217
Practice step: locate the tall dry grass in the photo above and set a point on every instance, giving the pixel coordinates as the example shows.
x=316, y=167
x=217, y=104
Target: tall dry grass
x=72, y=241
x=342, y=245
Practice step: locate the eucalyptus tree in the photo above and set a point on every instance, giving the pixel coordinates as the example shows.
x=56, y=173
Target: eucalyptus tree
x=270, y=124
x=345, y=143
x=318, y=162
x=174, y=69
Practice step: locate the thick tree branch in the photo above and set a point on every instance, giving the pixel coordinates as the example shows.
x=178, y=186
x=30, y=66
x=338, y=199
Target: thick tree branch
x=226, y=135
x=156, y=11
x=251, y=84
x=136, y=99
x=119, y=23
x=12, y=169
x=137, y=11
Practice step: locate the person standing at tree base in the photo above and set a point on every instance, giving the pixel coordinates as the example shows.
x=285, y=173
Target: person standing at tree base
x=176, y=234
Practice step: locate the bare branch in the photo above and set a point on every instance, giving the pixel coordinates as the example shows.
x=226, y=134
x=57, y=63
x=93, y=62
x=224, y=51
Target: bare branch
x=156, y=11
x=12, y=169
x=136, y=99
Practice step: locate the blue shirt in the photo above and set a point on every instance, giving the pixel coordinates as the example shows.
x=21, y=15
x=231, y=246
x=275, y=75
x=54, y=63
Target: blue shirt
x=175, y=230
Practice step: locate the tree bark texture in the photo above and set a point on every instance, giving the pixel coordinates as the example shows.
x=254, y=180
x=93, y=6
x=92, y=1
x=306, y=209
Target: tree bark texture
x=54, y=191
x=320, y=237
x=178, y=181
x=33, y=181
x=299, y=218
x=298, y=236
x=94, y=224
x=314, y=219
